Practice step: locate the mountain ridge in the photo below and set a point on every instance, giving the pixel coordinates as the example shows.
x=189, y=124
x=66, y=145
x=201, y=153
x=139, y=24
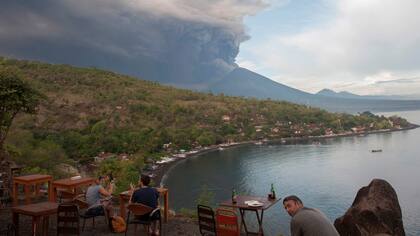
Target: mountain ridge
x=246, y=83
x=345, y=94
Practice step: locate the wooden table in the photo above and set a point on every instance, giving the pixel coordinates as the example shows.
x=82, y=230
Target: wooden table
x=27, y=181
x=38, y=211
x=70, y=185
x=125, y=198
x=243, y=208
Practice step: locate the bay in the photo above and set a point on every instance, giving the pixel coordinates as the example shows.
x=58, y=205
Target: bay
x=325, y=175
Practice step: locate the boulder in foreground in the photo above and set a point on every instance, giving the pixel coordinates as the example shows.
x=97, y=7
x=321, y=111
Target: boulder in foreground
x=375, y=211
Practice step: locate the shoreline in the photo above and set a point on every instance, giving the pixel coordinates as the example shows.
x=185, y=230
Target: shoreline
x=161, y=173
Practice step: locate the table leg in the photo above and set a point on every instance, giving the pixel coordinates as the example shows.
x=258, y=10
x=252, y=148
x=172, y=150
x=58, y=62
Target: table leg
x=27, y=194
x=35, y=225
x=16, y=222
x=242, y=211
x=37, y=190
x=52, y=192
x=15, y=193
x=122, y=208
x=260, y=220
x=166, y=204
x=45, y=224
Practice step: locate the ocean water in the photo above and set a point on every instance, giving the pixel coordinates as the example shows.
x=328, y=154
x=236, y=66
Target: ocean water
x=325, y=175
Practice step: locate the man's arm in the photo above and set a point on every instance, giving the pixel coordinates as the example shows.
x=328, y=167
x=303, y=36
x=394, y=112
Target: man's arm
x=104, y=192
x=132, y=197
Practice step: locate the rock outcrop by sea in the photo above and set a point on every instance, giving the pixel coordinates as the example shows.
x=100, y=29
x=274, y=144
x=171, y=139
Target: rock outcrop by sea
x=375, y=211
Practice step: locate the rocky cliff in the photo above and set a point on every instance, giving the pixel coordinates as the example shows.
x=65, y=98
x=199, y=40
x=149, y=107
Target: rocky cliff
x=375, y=211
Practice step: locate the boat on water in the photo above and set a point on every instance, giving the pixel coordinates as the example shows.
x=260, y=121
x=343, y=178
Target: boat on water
x=258, y=143
x=376, y=150
x=221, y=149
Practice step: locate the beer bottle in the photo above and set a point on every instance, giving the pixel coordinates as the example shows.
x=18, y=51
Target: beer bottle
x=273, y=193
x=233, y=195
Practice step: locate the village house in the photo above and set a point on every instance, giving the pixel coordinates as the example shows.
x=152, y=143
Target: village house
x=358, y=129
x=226, y=118
x=329, y=132
x=103, y=156
x=258, y=128
x=123, y=157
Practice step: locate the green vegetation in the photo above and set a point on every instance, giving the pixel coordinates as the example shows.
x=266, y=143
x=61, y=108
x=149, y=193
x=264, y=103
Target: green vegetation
x=15, y=96
x=88, y=111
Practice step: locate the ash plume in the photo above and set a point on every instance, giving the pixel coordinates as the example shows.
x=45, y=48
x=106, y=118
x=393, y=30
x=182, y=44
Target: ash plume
x=187, y=43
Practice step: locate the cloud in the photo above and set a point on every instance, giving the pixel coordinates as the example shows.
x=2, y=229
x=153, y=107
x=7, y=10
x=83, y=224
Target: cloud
x=400, y=81
x=386, y=83
x=361, y=39
x=178, y=41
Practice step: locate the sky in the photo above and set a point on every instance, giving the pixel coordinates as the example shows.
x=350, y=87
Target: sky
x=368, y=47
x=360, y=46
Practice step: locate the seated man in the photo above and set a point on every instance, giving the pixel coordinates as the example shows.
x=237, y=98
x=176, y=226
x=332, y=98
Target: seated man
x=307, y=221
x=147, y=196
x=95, y=193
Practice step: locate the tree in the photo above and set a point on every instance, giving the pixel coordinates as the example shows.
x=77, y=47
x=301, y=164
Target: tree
x=15, y=96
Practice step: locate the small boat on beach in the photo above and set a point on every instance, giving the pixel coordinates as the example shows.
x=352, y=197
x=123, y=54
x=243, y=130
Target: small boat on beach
x=180, y=155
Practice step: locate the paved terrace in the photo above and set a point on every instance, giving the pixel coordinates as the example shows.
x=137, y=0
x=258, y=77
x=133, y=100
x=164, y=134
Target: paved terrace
x=175, y=226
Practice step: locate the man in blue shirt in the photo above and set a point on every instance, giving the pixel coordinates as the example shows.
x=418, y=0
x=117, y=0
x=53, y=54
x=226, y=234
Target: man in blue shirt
x=148, y=196
x=95, y=194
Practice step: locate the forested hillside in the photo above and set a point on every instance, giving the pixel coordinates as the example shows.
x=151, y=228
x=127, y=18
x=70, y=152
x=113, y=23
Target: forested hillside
x=88, y=111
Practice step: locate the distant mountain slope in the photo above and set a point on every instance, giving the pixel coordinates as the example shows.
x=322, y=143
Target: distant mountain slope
x=242, y=82
x=345, y=94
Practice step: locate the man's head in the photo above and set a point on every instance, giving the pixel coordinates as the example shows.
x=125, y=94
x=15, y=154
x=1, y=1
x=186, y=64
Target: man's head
x=99, y=180
x=144, y=180
x=292, y=204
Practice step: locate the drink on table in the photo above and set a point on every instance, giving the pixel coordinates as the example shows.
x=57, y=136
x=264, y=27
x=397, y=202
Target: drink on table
x=272, y=194
x=234, y=195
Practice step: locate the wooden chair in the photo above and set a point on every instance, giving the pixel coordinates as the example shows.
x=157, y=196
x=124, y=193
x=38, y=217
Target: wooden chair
x=4, y=191
x=138, y=209
x=4, y=197
x=65, y=196
x=206, y=221
x=227, y=223
x=9, y=231
x=68, y=219
x=89, y=213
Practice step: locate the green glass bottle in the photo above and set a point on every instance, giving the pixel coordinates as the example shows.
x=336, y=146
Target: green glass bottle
x=233, y=195
x=273, y=192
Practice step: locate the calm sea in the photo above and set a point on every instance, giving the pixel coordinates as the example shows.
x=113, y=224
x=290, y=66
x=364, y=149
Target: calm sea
x=326, y=175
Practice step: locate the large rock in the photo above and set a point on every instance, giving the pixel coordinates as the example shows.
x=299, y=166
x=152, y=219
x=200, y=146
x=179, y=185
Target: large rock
x=375, y=211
